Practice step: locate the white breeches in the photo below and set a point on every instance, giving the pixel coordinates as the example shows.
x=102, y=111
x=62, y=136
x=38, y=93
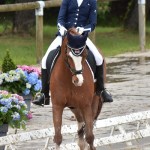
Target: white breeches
x=58, y=42
x=96, y=53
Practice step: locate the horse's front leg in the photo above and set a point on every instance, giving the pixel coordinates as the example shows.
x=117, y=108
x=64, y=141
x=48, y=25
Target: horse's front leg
x=57, y=120
x=89, y=136
x=81, y=141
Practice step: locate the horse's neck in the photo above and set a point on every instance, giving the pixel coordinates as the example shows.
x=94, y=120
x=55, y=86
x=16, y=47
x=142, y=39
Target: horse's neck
x=62, y=56
x=63, y=50
x=61, y=64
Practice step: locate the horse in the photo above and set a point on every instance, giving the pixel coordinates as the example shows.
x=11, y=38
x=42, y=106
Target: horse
x=72, y=86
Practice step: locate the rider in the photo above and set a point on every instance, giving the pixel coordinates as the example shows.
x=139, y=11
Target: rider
x=82, y=15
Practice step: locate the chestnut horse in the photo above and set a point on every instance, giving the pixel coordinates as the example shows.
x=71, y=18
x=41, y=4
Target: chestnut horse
x=72, y=86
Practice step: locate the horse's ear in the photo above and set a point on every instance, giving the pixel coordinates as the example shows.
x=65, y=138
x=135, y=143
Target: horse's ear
x=85, y=34
x=77, y=41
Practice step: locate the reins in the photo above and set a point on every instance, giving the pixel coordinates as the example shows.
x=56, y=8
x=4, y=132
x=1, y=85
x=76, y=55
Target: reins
x=73, y=71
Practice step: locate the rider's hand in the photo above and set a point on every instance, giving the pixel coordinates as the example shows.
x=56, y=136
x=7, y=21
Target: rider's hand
x=80, y=30
x=62, y=31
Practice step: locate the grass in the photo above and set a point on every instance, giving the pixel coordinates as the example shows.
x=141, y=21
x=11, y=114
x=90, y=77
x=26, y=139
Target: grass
x=115, y=41
x=112, y=41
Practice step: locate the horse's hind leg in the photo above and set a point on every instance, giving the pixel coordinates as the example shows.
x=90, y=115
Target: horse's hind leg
x=96, y=106
x=57, y=120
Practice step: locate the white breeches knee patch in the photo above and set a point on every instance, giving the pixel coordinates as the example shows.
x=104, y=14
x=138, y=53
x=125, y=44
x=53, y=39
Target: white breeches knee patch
x=57, y=42
x=96, y=53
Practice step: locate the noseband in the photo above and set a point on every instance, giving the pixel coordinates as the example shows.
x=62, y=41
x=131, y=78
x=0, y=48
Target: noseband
x=77, y=53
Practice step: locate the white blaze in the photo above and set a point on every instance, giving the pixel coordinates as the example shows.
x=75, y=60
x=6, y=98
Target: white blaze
x=78, y=66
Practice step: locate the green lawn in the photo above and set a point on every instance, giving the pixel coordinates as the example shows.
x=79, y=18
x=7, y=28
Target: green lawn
x=112, y=41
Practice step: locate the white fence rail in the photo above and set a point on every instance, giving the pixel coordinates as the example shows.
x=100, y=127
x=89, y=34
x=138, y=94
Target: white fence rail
x=115, y=122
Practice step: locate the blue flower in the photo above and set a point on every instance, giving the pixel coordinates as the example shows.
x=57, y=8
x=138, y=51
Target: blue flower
x=22, y=103
x=4, y=109
x=13, y=109
x=32, y=78
x=38, y=86
x=26, y=91
x=9, y=105
x=26, y=76
x=23, y=81
x=15, y=100
x=5, y=101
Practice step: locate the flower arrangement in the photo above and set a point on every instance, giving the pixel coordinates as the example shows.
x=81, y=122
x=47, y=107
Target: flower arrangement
x=13, y=110
x=30, y=69
x=23, y=80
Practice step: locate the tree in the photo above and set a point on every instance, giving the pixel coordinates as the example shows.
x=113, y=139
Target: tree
x=1, y=2
x=23, y=21
x=127, y=12
x=131, y=19
x=8, y=63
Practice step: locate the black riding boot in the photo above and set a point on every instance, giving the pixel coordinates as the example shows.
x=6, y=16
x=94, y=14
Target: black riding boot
x=100, y=90
x=43, y=97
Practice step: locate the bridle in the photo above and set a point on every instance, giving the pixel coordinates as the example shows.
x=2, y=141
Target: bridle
x=73, y=51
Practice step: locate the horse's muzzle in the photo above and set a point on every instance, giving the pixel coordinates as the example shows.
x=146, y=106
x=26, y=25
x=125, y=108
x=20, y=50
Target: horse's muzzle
x=77, y=80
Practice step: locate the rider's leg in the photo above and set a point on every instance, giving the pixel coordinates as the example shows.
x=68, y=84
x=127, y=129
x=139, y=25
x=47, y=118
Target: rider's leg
x=44, y=96
x=100, y=89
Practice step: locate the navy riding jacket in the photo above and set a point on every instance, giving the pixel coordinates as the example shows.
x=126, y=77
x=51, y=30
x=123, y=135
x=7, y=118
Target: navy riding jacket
x=70, y=15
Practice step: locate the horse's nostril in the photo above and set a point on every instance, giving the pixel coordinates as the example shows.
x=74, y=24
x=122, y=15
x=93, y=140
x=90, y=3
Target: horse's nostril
x=75, y=81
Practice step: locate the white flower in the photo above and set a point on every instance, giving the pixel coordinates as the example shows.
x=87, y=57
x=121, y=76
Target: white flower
x=28, y=85
x=20, y=72
x=22, y=103
x=11, y=79
x=16, y=116
x=3, y=75
x=17, y=106
x=25, y=112
x=1, y=81
x=7, y=79
x=17, y=77
x=12, y=72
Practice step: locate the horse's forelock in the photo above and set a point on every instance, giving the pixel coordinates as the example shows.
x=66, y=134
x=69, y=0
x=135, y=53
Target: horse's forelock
x=73, y=31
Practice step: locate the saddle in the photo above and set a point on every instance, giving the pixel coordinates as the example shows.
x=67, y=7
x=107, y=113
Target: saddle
x=54, y=54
